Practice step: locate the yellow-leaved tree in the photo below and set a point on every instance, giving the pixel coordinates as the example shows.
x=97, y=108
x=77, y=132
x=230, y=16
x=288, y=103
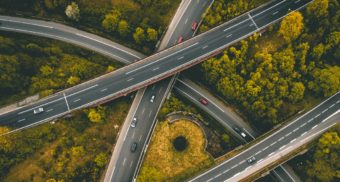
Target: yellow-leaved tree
x=291, y=26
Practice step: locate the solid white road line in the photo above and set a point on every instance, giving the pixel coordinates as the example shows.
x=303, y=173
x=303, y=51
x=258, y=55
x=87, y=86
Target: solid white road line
x=237, y=174
x=15, y=21
x=68, y=107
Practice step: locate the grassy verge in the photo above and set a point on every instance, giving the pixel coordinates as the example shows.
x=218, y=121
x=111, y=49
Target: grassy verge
x=72, y=149
x=164, y=163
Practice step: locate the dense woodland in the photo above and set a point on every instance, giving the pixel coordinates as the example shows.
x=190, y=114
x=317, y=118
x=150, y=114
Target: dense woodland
x=72, y=149
x=31, y=65
x=268, y=76
x=135, y=23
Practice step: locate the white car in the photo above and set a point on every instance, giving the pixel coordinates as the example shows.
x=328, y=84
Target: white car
x=134, y=122
x=152, y=99
x=38, y=110
x=251, y=160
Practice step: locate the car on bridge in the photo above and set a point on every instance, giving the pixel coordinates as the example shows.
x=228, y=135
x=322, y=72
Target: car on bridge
x=251, y=160
x=38, y=110
x=203, y=101
x=134, y=122
x=194, y=26
x=133, y=147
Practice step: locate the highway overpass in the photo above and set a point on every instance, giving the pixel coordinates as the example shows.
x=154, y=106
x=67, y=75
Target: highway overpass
x=153, y=68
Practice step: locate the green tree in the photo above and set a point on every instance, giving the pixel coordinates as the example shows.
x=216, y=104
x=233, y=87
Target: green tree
x=123, y=28
x=296, y=92
x=73, y=80
x=77, y=151
x=101, y=159
x=318, y=8
x=291, y=26
x=325, y=164
x=9, y=69
x=139, y=35
x=72, y=11
x=111, y=20
x=226, y=138
x=326, y=81
x=152, y=34
x=94, y=116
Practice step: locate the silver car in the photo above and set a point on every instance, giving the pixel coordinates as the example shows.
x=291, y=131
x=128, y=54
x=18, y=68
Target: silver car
x=38, y=110
x=134, y=122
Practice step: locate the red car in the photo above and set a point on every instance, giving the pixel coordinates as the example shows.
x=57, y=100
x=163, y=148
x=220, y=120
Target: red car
x=194, y=26
x=203, y=101
x=180, y=40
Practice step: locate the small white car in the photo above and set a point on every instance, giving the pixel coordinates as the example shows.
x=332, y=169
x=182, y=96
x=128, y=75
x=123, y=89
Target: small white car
x=134, y=122
x=38, y=110
x=152, y=99
x=251, y=160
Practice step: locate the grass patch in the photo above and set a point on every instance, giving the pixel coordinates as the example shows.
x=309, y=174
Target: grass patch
x=164, y=163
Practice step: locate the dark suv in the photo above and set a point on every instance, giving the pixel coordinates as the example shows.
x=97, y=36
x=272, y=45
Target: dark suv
x=133, y=147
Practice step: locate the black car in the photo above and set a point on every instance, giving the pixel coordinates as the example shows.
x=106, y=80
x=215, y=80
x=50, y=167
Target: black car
x=133, y=147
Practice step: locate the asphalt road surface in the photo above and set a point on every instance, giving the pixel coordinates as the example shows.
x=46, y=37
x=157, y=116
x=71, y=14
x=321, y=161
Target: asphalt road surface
x=279, y=140
x=151, y=69
x=70, y=35
x=143, y=109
